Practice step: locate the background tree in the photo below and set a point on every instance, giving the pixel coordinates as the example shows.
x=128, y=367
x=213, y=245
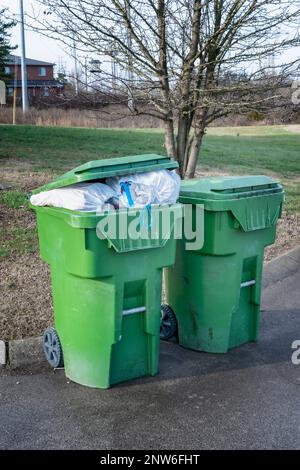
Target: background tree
x=5, y=33
x=187, y=62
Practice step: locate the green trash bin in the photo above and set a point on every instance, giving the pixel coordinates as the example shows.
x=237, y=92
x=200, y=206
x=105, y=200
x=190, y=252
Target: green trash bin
x=106, y=292
x=215, y=291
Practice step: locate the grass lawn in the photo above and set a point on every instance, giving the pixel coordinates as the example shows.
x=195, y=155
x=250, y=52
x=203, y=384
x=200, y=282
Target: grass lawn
x=240, y=150
x=250, y=149
x=32, y=156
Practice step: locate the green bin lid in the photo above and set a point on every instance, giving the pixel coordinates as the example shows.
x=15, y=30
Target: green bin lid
x=254, y=201
x=105, y=168
x=227, y=187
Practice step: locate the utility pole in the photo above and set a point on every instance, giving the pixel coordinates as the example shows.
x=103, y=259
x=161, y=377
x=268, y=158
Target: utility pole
x=76, y=65
x=113, y=71
x=129, y=70
x=25, y=104
x=15, y=91
x=95, y=70
x=86, y=73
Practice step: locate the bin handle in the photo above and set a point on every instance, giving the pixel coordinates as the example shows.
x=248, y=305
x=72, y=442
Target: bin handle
x=248, y=283
x=131, y=311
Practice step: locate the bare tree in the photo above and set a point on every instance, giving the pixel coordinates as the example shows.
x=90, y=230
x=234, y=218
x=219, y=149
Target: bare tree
x=186, y=62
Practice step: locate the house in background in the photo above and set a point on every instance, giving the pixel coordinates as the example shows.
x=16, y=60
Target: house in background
x=40, y=79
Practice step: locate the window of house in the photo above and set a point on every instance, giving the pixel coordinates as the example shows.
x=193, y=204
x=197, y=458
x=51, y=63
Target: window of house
x=42, y=71
x=46, y=91
x=6, y=70
x=10, y=91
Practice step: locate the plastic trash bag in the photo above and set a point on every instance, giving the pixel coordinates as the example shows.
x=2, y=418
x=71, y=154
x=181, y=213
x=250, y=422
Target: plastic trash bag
x=138, y=190
x=130, y=193
x=86, y=197
x=167, y=186
x=143, y=189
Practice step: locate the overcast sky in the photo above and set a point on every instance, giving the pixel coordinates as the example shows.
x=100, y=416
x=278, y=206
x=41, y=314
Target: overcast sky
x=37, y=46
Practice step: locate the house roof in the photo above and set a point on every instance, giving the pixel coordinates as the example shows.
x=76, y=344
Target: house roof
x=36, y=83
x=16, y=59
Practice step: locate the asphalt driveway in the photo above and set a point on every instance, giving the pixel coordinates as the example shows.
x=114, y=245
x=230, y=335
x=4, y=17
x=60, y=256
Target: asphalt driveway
x=246, y=399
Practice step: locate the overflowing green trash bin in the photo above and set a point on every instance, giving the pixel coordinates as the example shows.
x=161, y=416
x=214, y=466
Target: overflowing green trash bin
x=215, y=291
x=106, y=292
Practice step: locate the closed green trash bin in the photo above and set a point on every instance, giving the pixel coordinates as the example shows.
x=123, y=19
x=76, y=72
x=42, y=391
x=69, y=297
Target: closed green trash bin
x=106, y=292
x=215, y=291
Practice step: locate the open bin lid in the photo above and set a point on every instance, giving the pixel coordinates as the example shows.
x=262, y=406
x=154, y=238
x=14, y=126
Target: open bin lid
x=98, y=169
x=228, y=187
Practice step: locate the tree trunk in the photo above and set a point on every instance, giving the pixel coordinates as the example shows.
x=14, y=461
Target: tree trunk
x=182, y=141
x=193, y=155
x=169, y=138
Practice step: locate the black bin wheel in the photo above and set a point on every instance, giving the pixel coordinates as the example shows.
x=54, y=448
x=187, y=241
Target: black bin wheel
x=168, y=323
x=52, y=348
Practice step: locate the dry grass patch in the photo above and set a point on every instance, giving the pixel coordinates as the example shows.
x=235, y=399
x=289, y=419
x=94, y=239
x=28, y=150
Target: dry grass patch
x=26, y=306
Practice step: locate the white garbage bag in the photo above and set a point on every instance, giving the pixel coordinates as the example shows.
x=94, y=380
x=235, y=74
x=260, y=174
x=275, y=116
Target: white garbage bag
x=86, y=197
x=130, y=193
x=142, y=189
x=167, y=186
